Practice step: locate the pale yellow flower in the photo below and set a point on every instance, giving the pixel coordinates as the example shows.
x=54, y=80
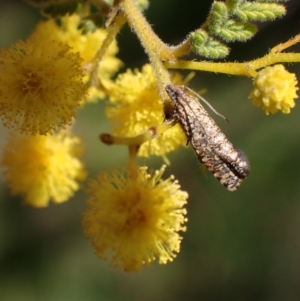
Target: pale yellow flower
x=274, y=89
x=135, y=106
x=133, y=220
x=40, y=86
x=85, y=44
x=42, y=168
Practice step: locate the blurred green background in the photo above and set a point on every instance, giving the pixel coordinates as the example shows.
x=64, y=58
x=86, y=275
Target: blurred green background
x=239, y=246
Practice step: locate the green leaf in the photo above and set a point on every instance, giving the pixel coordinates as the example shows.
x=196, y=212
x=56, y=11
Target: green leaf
x=57, y=8
x=274, y=1
x=142, y=4
x=234, y=31
x=233, y=4
x=108, y=2
x=218, y=13
x=202, y=44
x=38, y=2
x=251, y=11
x=91, y=23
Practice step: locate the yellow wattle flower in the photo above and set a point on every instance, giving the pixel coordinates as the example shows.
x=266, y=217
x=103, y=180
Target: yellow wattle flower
x=133, y=220
x=40, y=86
x=135, y=106
x=85, y=44
x=274, y=89
x=43, y=168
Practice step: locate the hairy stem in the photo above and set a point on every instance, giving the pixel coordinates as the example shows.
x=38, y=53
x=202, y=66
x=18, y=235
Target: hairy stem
x=154, y=47
x=242, y=69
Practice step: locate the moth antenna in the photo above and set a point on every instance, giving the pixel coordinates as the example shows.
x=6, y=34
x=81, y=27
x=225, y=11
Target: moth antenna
x=206, y=102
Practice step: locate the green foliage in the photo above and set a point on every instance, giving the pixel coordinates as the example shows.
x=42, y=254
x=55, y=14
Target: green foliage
x=57, y=8
x=232, y=4
x=218, y=13
x=249, y=11
x=235, y=31
x=91, y=23
x=272, y=1
x=232, y=20
x=108, y=2
x=228, y=29
x=203, y=44
x=142, y=4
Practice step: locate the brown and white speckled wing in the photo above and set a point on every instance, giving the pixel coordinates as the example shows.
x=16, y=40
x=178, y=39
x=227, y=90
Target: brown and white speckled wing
x=229, y=165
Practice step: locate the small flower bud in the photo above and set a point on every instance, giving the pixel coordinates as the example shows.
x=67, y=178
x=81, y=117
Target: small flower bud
x=274, y=89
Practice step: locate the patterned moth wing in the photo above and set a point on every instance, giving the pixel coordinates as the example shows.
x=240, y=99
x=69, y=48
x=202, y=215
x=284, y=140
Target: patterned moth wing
x=229, y=165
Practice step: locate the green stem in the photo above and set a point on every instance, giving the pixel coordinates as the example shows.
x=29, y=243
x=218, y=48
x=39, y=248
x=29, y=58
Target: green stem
x=244, y=69
x=112, y=32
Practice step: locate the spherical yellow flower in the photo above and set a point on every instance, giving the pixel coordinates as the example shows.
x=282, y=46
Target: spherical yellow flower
x=274, y=89
x=135, y=105
x=85, y=44
x=43, y=168
x=133, y=220
x=40, y=86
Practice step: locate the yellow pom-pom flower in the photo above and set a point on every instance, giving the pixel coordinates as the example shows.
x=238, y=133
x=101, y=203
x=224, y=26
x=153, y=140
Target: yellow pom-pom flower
x=134, y=220
x=135, y=106
x=42, y=168
x=40, y=86
x=85, y=44
x=274, y=89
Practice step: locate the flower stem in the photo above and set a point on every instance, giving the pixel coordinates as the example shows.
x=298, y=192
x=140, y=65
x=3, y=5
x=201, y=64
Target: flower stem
x=182, y=49
x=154, y=47
x=243, y=69
x=138, y=140
x=112, y=31
x=133, y=169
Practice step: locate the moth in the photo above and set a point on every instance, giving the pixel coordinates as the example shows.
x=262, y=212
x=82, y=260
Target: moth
x=228, y=164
